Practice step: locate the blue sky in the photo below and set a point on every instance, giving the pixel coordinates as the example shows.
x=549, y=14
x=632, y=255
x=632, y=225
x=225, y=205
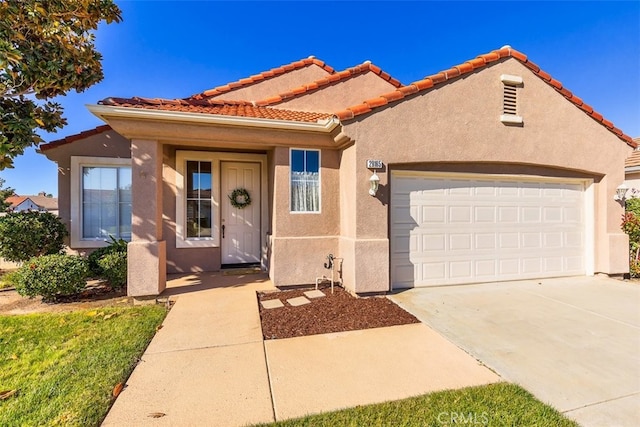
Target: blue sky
x=173, y=49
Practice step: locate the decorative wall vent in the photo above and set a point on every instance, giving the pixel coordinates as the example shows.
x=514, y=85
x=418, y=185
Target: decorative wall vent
x=510, y=99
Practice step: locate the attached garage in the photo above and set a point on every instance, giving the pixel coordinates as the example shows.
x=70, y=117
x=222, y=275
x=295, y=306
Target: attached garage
x=448, y=229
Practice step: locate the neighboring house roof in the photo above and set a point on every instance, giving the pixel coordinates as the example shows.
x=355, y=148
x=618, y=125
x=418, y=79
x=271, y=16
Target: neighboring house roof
x=349, y=73
x=633, y=161
x=217, y=107
x=71, y=138
x=15, y=200
x=265, y=75
x=48, y=203
x=468, y=67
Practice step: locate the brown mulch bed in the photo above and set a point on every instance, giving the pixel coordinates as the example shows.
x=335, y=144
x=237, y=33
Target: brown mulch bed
x=332, y=313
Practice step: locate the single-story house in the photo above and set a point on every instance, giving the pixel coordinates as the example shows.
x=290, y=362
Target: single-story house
x=632, y=172
x=40, y=202
x=490, y=170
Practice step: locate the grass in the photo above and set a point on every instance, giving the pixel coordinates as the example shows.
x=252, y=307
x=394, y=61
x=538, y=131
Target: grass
x=64, y=367
x=500, y=404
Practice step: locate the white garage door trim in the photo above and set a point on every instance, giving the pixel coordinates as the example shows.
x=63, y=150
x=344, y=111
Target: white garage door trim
x=513, y=191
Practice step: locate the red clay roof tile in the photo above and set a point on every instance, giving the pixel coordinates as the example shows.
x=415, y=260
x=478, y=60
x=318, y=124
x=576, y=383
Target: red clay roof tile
x=326, y=81
x=470, y=66
x=451, y=72
x=71, y=138
x=217, y=107
x=464, y=68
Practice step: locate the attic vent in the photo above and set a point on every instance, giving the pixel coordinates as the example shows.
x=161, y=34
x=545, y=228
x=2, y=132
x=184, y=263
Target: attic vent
x=510, y=99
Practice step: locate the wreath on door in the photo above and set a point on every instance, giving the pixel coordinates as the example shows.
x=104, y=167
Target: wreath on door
x=240, y=198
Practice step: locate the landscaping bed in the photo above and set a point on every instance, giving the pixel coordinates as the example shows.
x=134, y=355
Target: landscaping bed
x=335, y=312
x=97, y=294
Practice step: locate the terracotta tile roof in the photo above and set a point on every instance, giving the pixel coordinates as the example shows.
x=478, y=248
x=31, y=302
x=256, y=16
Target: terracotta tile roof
x=634, y=159
x=274, y=72
x=468, y=67
x=15, y=200
x=349, y=73
x=72, y=138
x=218, y=107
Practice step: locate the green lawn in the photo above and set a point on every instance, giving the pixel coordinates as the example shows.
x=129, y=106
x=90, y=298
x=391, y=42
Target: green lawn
x=64, y=367
x=499, y=404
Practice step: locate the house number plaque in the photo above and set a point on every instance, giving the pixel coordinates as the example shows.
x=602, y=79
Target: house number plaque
x=374, y=164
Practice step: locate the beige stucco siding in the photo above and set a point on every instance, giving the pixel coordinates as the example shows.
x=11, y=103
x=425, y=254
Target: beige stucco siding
x=459, y=123
x=301, y=241
x=275, y=85
x=339, y=95
x=106, y=144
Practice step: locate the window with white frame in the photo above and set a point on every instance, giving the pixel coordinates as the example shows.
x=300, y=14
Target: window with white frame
x=305, y=180
x=197, y=209
x=199, y=215
x=100, y=200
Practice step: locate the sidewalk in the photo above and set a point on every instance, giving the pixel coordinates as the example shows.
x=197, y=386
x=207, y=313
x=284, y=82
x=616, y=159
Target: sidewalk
x=208, y=365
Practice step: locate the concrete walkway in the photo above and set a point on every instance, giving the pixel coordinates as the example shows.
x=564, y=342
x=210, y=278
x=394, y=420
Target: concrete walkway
x=573, y=342
x=208, y=365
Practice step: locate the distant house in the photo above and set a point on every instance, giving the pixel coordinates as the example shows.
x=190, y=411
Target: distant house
x=490, y=170
x=41, y=202
x=632, y=172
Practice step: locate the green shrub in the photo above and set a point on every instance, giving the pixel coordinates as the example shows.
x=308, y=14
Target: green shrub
x=51, y=276
x=24, y=235
x=115, y=246
x=633, y=205
x=631, y=226
x=114, y=268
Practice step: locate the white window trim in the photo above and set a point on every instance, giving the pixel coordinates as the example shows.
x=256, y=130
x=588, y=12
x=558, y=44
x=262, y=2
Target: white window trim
x=77, y=163
x=217, y=158
x=319, y=182
x=182, y=241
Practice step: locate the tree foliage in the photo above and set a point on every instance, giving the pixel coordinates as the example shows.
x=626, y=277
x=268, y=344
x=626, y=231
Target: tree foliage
x=46, y=49
x=4, y=193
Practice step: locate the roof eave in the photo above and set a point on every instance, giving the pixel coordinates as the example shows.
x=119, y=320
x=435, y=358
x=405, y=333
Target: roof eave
x=105, y=111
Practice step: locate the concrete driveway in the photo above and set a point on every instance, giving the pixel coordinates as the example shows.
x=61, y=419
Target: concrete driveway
x=573, y=342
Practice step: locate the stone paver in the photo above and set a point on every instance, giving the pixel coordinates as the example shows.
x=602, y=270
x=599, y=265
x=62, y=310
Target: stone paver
x=272, y=303
x=297, y=301
x=316, y=293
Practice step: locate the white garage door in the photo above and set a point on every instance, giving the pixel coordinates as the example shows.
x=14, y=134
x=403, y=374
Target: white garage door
x=455, y=229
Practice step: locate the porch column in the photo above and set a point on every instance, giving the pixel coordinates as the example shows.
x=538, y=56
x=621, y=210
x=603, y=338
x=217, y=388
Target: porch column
x=147, y=250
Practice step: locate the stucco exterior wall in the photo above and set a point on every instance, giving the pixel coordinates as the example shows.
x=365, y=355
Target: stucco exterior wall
x=300, y=242
x=275, y=85
x=339, y=95
x=106, y=144
x=459, y=123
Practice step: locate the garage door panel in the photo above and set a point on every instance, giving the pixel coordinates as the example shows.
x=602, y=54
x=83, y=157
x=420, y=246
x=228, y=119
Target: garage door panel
x=475, y=230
